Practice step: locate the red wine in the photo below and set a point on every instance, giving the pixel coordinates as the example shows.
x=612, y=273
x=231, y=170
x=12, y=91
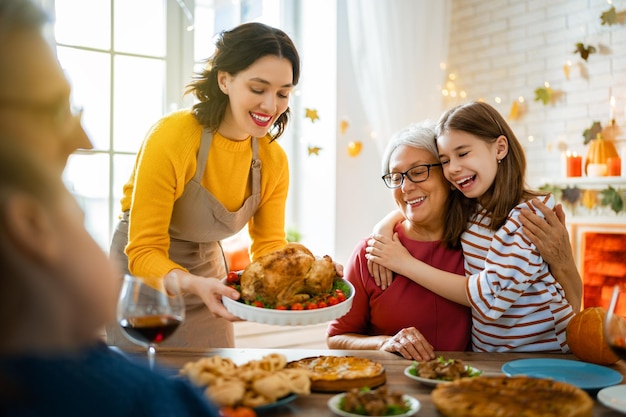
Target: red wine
x=619, y=350
x=150, y=329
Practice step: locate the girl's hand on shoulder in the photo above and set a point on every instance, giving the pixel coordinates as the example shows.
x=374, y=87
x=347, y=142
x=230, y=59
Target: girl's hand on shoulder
x=411, y=344
x=386, y=253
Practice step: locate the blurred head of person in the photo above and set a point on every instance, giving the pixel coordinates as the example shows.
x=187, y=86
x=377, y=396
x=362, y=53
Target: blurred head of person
x=58, y=287
x=35, y=107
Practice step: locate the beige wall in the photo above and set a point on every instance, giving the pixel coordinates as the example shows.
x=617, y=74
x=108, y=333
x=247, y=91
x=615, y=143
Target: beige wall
x=508, y=48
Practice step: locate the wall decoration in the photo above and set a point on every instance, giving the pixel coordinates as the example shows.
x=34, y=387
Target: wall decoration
x=544, y=94
x=314, y=150
x=354, y=148
x=609, y=17
x=311, y=114
x=591, y=132
x=566, y=69
x=344, y=124
x=612, y=198
x=518, y=109
x=584, y=51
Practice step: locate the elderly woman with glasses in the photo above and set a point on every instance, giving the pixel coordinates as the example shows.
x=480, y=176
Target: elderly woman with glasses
x=406, y=318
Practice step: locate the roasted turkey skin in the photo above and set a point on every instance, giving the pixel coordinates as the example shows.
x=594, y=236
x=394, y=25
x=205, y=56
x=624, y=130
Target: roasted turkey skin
x=286, y=276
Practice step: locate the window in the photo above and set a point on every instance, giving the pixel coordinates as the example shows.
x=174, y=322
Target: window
x=129, y=62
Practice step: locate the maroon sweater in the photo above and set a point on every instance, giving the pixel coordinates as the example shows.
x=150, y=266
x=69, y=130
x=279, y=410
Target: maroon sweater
x=445, y=324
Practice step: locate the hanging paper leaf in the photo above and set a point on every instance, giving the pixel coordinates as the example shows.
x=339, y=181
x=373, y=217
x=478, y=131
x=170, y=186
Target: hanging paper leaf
x=343, y=126
x=354, y=148
x=612, y=198
x=591, y=132
x=609, y=17
x=311, y=114
x=566, y=69
x=571, y=195
x=543, y=94
x=514, y=113
x=584, y=51
x=314, y=150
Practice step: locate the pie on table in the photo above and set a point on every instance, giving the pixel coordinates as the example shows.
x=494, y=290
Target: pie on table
x=519, y=396
x=341, y=373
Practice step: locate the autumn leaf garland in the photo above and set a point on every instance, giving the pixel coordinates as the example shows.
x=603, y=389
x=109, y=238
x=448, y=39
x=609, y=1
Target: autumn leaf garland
x=571, y=196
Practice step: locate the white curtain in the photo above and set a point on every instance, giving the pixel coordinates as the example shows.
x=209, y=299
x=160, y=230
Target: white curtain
x=397, y=47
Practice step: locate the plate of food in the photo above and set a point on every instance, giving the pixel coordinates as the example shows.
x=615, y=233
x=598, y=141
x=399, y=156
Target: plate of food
x=278, y=403
x=511, y=396
x=584, y=375
x=341, y=373
x=261, y=384
x=367, y=402
x=440, y=371
x=289, y=287
x=614, y=397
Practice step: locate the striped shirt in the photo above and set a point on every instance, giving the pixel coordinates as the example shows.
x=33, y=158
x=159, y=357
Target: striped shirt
x=517, y=305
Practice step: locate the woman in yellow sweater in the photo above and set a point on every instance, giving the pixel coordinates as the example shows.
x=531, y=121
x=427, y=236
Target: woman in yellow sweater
x=203, y=173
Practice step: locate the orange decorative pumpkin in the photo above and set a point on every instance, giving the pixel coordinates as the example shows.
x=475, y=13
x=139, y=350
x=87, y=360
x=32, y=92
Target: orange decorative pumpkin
x=585, y=337
x=600, y=150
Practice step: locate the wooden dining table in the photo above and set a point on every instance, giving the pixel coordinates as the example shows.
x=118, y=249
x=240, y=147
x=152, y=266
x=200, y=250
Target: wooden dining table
x=316, y=404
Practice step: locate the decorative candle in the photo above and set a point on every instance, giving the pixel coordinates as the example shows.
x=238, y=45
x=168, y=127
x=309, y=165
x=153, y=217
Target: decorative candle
x=574, y=165
x=612, y=110
x=614, y=166
x=596, y=170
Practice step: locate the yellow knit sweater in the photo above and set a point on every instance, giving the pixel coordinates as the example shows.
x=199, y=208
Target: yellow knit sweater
x=167, y=161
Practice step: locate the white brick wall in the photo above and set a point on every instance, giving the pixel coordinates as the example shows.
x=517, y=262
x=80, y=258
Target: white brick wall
x=508, y=48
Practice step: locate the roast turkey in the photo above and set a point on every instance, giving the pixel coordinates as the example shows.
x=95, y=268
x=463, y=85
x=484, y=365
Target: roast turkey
x=286, y=276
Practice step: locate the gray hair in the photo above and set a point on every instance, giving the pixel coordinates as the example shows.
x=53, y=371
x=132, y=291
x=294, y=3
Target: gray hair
x=416, y=135
x=21, y=15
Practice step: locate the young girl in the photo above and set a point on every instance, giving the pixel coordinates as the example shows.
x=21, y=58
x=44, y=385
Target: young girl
x=517, y=305
x=58, y=288
x=203, y=174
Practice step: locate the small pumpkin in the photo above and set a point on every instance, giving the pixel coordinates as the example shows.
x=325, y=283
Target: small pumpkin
x=585, y=337
x=600, y=150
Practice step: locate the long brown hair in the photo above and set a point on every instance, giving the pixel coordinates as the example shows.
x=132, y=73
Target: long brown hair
x=235, y=51
x=509, y=188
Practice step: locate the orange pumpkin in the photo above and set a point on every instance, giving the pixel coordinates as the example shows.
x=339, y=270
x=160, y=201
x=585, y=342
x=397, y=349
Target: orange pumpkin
x=585, y=337
x=599, y=151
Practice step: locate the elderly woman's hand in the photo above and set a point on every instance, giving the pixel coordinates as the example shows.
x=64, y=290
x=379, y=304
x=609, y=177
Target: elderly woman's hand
x=549, y=235
x=411, y=344
x=551, y=238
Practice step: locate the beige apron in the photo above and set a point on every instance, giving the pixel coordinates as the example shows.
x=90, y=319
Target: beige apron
x=199, y=222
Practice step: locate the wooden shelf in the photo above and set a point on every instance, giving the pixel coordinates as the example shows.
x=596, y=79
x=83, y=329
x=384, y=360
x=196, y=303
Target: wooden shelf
x=593, y=183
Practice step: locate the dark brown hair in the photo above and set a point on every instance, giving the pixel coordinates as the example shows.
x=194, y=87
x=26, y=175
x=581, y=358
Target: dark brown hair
x=508, y=189
x=236, y=50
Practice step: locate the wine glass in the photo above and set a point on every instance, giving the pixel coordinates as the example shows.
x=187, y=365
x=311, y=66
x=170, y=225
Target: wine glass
x=615, y=323
x=147, y=313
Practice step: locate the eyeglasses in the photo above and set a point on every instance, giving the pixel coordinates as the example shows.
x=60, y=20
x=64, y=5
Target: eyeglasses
x=62, y=115
x=419, y=173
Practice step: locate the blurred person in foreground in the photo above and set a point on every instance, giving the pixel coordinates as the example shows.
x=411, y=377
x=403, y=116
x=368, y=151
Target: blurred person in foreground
x=58, y=289
x=35, y=107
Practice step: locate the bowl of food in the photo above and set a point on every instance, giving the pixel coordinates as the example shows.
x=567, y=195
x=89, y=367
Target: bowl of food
x=289, y=287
